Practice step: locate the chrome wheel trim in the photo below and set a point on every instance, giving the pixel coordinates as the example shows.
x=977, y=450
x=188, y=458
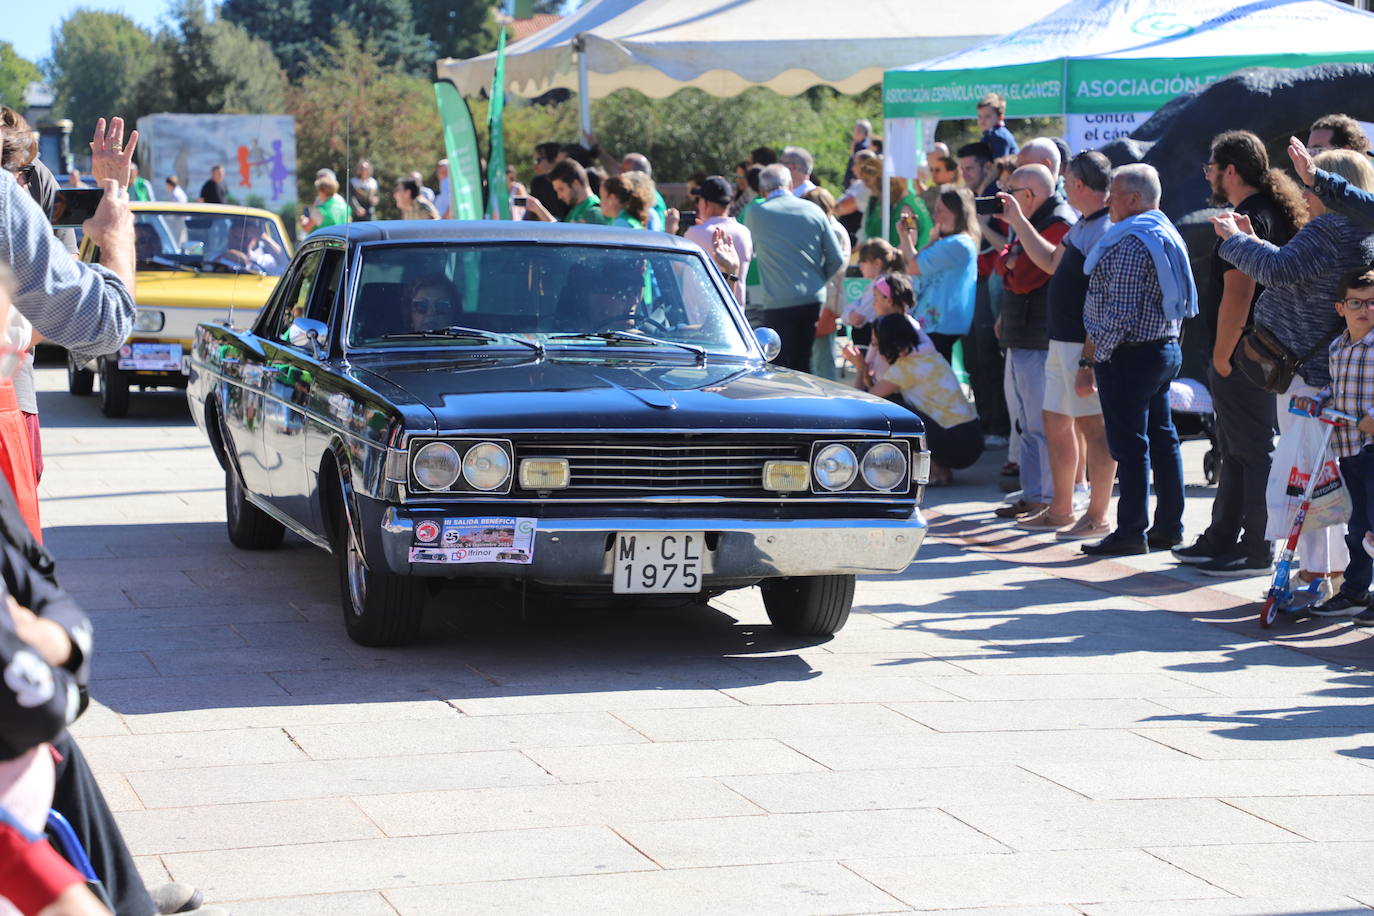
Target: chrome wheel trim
x=357, y=575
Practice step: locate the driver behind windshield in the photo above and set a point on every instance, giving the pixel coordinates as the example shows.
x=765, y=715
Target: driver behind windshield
x=147, y=245
x=248, y=243
x=433, y=303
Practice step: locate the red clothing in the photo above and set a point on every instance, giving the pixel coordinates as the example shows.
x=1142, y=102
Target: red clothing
x=1019, y=273
x=32, y=874
x=16, y=458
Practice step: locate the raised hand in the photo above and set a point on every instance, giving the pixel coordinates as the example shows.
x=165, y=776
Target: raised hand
x=110, y=155
x=723, y=251
x=1303, y=163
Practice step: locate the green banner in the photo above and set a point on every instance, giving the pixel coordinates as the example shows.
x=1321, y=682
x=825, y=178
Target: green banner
x=1150, y=84
x=1076, y=86
x=460, y=144
x=498, y=200
x=1030, y=89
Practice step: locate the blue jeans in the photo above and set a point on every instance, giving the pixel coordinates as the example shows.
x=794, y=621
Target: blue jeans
x=1358, y=473
x=1134, y=389
x=1026, y=369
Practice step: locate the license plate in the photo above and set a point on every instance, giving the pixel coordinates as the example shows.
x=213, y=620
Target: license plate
x=657, y=562
x=150, y=357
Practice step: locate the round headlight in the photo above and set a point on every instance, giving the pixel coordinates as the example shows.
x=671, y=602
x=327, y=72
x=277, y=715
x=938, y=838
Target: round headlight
x=149, y=320
x=835, y=467
x=486, y=466
x=884, y=466
x=436, y=466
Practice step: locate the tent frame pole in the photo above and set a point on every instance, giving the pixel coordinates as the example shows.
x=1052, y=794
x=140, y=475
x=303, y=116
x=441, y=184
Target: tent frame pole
x=584, y=98
x=887, y=185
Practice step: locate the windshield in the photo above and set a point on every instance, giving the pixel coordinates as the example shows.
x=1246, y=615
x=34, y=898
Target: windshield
x=547, y=294
x=227, y=242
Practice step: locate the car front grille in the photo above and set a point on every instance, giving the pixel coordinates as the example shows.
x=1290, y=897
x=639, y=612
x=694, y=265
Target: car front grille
x=648, y=467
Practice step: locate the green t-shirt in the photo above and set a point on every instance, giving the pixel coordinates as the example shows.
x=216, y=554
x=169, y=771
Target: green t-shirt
x=873, y=219
x=589, y=212
x=626, y=221
x=661, y=208
x=333, y=212
x=751, y=276
x=140, y=189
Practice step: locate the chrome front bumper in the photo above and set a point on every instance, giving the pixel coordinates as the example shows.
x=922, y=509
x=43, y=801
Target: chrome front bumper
x=576, y=551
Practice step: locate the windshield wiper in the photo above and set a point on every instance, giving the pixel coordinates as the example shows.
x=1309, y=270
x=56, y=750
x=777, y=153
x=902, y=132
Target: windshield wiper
x=162, y=264
x=455, y=332
x=611, y=337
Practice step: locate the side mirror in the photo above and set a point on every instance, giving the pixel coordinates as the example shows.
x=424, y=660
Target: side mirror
x=309, y=333
x=769, y=342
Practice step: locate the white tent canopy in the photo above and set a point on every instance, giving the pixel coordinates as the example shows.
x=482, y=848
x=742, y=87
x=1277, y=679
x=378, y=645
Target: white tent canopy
x=726, y=46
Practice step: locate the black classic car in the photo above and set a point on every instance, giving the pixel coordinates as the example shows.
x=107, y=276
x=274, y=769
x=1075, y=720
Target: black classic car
x=576, y=409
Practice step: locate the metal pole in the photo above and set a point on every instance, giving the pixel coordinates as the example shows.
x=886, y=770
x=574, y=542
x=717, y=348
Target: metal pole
x=887, y=181
x=584, y=96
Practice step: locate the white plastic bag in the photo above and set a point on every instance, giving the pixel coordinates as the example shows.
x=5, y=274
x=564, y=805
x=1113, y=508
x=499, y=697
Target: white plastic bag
x=1294, y=458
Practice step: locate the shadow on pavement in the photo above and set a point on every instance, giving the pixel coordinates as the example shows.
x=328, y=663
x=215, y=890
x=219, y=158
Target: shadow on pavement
x=155, y=408
x=185, y=621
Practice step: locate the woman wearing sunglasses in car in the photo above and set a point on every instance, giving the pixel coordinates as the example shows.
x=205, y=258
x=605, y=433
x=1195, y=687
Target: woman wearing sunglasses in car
x=433, y=303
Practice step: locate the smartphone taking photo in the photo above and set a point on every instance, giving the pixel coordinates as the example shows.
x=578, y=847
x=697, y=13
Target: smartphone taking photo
x=987, y=206
x=73, y=206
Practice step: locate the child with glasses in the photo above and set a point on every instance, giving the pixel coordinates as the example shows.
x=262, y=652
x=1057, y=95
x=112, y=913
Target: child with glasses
x=1352, y=391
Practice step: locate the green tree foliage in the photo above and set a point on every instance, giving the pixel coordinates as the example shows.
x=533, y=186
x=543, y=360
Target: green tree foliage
x=97, y=63
x=691, y=131
x=15, y=75
x=457, y=28
x=288, y=27
x=351, y=105
x=210, y=66
x=300, y=31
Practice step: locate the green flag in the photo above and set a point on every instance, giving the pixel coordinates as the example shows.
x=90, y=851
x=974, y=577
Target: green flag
x=460, y=143
x=498, y=201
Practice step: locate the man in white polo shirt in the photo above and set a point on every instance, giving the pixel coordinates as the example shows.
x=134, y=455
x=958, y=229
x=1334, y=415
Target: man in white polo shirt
x=713, y=200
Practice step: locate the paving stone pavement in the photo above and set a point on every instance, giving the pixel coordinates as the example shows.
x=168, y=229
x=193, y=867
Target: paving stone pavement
x=1004, y=728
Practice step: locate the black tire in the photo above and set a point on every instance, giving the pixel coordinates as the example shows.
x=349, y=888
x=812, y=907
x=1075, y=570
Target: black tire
x=808, y=605
x=80, y=382
x=250, y=528
x=379, y=609
x=114, y=391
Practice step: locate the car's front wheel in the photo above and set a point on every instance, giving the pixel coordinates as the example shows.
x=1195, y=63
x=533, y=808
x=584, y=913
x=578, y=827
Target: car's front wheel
x=114, y=390
x=80, y=382
x=808, y=605
x=250, y=528
x=379, y=609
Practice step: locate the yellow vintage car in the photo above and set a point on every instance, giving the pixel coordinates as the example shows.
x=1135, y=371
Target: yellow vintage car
x=196, y=263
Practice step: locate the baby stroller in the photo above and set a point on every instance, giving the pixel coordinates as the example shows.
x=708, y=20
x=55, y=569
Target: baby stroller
x=1191, y=404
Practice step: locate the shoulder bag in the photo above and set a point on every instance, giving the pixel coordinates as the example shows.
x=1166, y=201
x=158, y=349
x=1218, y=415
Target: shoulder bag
x=1264, y=359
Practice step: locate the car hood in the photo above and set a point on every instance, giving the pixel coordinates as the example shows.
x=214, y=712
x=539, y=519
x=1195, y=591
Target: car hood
x=525, y=394
x=170, y=289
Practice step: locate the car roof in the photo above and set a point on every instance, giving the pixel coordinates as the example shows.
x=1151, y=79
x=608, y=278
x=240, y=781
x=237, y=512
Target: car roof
x=502, y=231
x=168, y=206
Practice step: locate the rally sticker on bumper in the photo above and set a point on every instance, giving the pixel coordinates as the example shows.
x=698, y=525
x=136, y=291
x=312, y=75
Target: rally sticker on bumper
x=496, y=539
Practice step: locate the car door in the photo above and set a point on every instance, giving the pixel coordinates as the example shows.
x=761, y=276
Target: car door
x=295, y=368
